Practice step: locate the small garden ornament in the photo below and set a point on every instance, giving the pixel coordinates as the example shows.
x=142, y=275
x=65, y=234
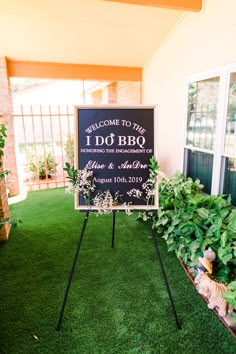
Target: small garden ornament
x=209, y=288
x=205, y=264
x=213, y=292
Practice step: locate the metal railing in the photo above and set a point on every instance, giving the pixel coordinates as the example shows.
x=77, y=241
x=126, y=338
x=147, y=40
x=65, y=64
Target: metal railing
x=44, y=134
x=44, y=142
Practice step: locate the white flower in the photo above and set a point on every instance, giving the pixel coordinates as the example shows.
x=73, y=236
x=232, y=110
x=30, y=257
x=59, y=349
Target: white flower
x=84, y=183
x=127, y=209
x=104, y=201
x=70, y=189
x=136, y=193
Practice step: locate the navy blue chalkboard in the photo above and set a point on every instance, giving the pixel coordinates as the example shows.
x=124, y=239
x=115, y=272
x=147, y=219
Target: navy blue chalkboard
x=116, y=143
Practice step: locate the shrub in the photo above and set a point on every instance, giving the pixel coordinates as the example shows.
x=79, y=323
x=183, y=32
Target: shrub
x=190, y=222
x=69, y=148
x=45, y=168
x=3, y=135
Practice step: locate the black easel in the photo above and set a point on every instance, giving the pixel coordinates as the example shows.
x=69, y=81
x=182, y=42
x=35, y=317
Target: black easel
x=113, y=240
x=164, y=277
x=72, y=271
x=113, y=229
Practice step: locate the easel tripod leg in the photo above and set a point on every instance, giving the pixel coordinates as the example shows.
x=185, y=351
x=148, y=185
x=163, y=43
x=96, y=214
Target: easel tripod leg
x=72, y=272
x=113, y=229
x=165, y=277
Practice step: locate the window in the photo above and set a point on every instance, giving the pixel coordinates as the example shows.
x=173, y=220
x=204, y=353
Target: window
x=201, y=130
x=210, y=142
x=202, y=110
x=229, y=155
x=229, y=186
x=199, y=165
x=230, y=131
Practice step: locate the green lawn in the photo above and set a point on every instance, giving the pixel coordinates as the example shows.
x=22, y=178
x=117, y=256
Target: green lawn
x=117, y=302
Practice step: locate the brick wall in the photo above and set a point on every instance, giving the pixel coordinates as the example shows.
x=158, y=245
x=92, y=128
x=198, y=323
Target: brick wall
x=97, y=97
x=119, y=92
x=112, y=92
x=9, y=159
x=129, y=92
x=7, y=118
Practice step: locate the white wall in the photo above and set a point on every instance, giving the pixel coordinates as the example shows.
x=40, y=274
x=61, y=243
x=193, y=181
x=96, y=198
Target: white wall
x=201, y=42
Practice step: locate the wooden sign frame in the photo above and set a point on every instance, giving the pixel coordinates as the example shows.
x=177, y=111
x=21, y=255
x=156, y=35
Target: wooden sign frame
x=116, y=143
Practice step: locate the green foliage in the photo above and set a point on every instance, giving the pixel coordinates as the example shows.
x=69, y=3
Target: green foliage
x=45, y=168
x=153, y=169
x=12, y=221
x=230, y=296
x=72, y=173
x=3, y=135
x=190, y=222
x=69, y=148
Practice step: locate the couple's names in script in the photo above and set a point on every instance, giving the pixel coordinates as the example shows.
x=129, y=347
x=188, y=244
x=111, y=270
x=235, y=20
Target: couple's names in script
x=94, y=165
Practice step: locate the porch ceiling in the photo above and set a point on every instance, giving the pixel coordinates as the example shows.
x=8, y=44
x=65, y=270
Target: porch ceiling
x=83, y=31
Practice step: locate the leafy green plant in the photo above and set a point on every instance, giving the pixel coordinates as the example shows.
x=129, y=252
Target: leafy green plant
x=45, y=168
x=198, y=225
x=72, y=173
x=69, y=148
x=12, y=221
x=190, y=222
x=3, y=136
x=153, y=168
x=147, y=190
x=230, y=297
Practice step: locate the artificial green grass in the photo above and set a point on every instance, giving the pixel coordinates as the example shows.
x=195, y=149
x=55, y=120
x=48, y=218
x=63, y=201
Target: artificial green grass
x=117, y=302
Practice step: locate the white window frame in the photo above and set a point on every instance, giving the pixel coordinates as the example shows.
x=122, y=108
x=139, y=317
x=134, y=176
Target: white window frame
x=223, y=73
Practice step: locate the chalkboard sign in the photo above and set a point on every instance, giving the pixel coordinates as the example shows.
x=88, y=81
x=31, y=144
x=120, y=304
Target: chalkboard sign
x=116, y=143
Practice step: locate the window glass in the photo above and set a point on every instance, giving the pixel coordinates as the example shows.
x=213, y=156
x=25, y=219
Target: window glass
x=202, y=113
x=230, y=133
x=230, y=178
x=199, y=165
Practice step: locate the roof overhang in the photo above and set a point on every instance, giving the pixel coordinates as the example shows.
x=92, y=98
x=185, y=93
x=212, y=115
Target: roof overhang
x=183, y=5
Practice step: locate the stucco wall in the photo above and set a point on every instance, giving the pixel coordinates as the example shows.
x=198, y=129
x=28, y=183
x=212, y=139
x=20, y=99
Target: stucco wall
x=200, y=42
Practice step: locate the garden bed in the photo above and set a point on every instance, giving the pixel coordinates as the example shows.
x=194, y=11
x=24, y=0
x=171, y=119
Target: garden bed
x=229, y=328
